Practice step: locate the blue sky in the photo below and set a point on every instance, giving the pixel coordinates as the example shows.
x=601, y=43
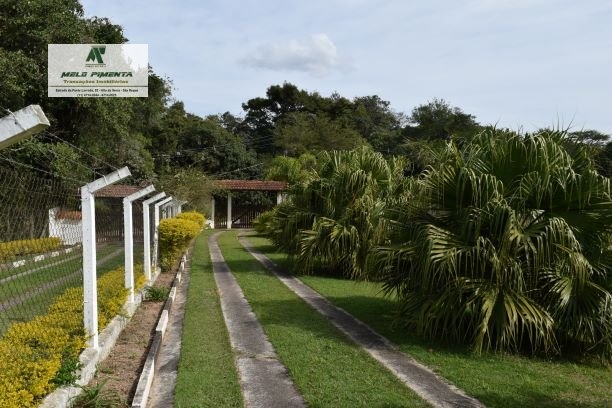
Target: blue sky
x=518, y=63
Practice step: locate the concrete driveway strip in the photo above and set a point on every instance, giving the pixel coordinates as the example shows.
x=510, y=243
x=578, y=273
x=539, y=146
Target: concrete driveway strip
x=419, y=378
x=264, y=380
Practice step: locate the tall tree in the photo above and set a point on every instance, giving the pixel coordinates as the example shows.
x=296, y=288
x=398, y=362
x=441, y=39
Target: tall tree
x=300, y=132
x=186, y=140
x=116, y=131
x=262, y=114
x=439, y=120
x=373, y=118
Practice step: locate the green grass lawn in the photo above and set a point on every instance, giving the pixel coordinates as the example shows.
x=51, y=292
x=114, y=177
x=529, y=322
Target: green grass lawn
x=206, y=374
x=498, y=380
x=328, y=368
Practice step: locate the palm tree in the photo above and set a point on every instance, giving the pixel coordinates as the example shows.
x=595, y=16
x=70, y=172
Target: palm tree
x=332, y=218
x=505, y=244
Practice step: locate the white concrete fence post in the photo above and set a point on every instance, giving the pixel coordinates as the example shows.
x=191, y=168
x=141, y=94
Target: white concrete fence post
x=212, y=213
x=22, y=124
x=229, y=211
x=88, y=215
x=166, y=209
x=128, y=238
x=146, y=226
x=179, y=209
x=156, y=231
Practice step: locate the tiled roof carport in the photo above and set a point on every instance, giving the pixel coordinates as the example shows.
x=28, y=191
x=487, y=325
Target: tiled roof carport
x=246, y=185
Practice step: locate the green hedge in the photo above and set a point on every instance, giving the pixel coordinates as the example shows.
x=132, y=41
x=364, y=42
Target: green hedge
x=175, y=234
x=264, y=222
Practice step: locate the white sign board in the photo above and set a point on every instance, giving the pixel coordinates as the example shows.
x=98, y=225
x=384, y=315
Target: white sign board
x=98, y=70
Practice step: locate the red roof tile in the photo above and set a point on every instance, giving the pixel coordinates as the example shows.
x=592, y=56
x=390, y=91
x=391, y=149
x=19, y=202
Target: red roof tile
x=252, y=185
x=68, y=215
x=117, y=191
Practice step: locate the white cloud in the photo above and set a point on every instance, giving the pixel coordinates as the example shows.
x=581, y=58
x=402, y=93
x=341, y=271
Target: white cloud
x=316, y=55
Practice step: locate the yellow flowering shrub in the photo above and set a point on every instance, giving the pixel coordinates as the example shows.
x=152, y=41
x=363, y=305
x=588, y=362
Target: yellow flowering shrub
x=67, y=312
x=193, y=216
x=32, y=353
x=140, y=278
x=111, y=295
x=13, y=384
x=175, y=234
x=11, y=250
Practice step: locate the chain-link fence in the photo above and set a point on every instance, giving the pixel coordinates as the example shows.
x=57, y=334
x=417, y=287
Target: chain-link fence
x=71, y=255
x=40, y=243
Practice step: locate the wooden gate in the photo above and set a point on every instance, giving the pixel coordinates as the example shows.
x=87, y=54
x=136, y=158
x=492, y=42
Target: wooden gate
x=242, y=217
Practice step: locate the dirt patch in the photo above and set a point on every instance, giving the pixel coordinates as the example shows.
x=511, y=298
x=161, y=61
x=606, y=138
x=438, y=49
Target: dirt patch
x=121, y=369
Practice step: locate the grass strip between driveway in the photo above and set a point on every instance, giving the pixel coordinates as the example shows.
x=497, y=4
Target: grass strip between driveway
x=206, y=374
x=497, y=380
x=328, y=369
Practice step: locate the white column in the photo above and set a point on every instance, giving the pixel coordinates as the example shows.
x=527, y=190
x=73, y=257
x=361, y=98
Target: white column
x=229, y=210
x=88, y=215
x=146, y=224
x=279, y=197
x=128, y=238
x=212, y=212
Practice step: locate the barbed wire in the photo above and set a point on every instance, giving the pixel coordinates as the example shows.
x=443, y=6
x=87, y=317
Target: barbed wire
x=243, y=168
x=46, y=150
x=28, y=166
x=47, y=133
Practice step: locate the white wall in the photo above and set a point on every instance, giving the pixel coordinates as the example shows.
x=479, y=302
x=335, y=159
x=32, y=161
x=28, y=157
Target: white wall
x=68, y=230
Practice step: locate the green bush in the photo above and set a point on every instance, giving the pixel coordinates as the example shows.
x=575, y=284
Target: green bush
x=156, y=293
x=264, y=222
x=193, y=216
x=11, y=250
x=175, y=234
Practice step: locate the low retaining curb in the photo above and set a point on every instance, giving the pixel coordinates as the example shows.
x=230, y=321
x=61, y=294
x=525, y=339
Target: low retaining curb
x=141, y=397
x=42, y=257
